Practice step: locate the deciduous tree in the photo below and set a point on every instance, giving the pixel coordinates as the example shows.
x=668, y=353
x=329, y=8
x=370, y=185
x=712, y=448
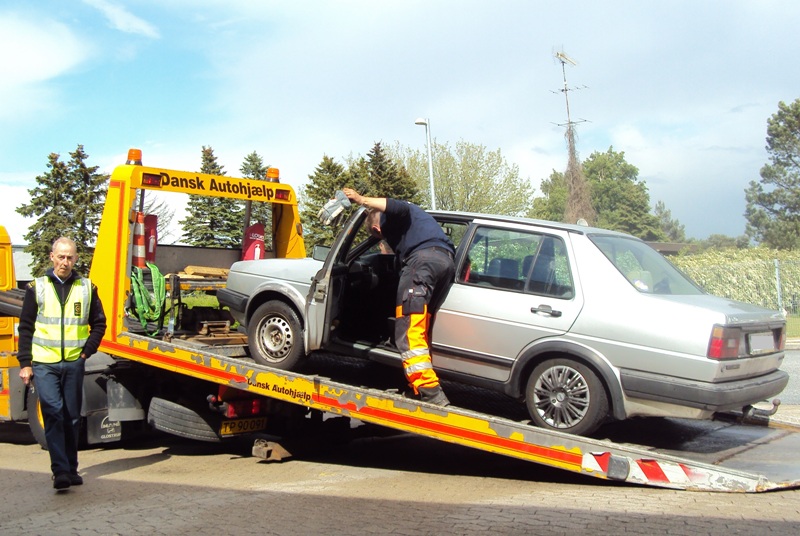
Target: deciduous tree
x=469, y=178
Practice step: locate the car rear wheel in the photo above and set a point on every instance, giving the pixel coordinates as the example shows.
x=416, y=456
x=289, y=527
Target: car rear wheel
x=567, y=396
x=275, y=336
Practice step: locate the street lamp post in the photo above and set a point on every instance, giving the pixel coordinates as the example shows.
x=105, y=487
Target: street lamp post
x=427, y=124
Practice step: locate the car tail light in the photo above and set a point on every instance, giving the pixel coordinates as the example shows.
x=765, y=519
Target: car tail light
x=724, y=343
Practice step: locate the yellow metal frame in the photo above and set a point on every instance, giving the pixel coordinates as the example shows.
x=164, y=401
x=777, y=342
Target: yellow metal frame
x=111, y=265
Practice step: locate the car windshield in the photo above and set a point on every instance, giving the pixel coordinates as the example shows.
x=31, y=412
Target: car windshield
x=645, y=268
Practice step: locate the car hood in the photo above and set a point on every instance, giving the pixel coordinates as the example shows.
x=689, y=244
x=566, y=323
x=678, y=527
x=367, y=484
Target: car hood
x=300, y=270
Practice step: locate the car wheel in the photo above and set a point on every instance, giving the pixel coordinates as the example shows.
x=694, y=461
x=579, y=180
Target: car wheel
x=275, y=337
x=566, y=396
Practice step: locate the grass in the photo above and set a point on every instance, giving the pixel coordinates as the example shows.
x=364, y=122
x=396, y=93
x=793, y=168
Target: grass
x=793, y=326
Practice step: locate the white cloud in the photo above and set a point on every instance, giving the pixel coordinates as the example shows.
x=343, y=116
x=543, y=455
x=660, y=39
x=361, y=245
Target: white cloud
x=123, y=20
x=35, y=52
x=16, y=225
x=684, y=90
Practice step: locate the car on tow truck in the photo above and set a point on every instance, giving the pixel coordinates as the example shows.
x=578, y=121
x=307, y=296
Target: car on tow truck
x=583, y=325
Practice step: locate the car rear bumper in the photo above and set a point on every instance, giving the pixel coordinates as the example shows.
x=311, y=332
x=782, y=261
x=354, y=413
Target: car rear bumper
x=702, y=395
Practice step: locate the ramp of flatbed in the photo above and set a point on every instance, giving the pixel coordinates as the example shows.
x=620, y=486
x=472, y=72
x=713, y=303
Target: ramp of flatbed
x=769, y=449
x=704, y=456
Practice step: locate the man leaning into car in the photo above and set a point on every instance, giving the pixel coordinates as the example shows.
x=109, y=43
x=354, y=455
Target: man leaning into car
x=425, y=255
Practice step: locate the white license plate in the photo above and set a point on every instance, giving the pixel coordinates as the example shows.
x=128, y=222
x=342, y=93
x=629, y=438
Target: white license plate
x=761, y=343
x=242, y=426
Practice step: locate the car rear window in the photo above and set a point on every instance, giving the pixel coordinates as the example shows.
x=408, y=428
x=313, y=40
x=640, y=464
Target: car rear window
x=644, y=267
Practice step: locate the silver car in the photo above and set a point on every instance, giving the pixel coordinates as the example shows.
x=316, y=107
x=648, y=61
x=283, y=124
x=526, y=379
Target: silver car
x=583, y=325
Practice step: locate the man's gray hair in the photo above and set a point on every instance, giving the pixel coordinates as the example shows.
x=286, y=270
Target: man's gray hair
x=64, y=240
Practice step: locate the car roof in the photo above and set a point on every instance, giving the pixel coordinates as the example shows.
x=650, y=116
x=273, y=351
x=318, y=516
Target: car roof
x=573, y=228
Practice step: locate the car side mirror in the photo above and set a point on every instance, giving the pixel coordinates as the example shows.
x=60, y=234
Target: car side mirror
x=320, y=253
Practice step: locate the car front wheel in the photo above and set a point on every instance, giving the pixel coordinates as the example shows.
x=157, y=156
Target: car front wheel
x=275, y=336
x=567, y=396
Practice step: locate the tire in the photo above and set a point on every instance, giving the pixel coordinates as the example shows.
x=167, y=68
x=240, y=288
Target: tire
x=567, y=396
x=181, y=421
x=275, y=336
x=35, y=418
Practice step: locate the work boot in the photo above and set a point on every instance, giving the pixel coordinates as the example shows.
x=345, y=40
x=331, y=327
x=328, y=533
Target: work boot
x=75, y=479
x=433, y=395
x=61, y=481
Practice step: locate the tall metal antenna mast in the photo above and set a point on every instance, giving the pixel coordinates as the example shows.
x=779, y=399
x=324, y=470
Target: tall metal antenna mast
x=564, y=59
x=579, y=203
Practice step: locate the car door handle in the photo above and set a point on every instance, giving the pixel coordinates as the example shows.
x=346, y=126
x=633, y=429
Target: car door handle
x=546, y=309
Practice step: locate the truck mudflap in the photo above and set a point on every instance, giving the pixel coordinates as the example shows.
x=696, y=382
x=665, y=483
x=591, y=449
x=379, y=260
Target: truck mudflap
x=710, y=456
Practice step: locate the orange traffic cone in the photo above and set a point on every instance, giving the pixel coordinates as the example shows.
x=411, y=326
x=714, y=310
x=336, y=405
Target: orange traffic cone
x=139, y=252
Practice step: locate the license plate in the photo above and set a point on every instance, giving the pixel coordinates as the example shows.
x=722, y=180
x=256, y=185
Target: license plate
x=761, y=343
x=242, y=426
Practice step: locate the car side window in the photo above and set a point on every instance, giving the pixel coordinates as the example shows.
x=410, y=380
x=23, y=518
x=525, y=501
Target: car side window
x=517, y=261
x=550, y=273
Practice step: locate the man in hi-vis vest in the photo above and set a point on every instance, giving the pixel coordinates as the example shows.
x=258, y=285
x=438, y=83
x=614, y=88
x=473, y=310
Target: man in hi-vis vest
x=61, y=324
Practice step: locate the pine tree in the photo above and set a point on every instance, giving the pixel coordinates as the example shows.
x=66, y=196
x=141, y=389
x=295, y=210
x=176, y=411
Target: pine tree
x=385, y=178
x=378, y=175
x=212, y=221
x=253, y=167
x=328, y=177
x=673, y=229
x=67, y=201
x=88, y=196
x=773, y=203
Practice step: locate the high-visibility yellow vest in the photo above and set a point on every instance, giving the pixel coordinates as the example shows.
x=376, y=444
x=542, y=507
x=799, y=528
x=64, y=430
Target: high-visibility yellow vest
x=61, y=331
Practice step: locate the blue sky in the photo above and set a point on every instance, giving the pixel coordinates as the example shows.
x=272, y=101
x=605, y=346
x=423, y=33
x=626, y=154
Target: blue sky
x=684, y=88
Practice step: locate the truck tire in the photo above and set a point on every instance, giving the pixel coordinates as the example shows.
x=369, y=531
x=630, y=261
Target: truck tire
x=181, y=421
x=567, y=396
x=35, y=418
x=275, y=336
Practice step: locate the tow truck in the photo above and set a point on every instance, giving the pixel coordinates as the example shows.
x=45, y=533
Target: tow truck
x=192, y=376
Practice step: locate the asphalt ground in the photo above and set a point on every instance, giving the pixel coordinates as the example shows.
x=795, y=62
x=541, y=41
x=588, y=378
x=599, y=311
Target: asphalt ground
x=404, y=485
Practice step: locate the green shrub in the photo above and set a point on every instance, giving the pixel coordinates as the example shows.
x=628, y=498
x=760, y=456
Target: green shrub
x=749, y=275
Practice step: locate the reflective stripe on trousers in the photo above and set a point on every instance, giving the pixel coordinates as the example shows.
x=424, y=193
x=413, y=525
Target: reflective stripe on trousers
x=417, y=364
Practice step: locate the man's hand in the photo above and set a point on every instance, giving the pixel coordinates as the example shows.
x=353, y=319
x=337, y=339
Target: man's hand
x=353, y=196
x=26, y=373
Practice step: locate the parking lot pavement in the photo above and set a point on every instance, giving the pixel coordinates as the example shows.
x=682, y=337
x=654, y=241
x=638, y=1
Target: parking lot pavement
x=789, y=413
x=397, y=485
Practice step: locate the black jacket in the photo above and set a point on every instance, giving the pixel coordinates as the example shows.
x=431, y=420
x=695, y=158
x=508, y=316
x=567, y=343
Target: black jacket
x=27, y=318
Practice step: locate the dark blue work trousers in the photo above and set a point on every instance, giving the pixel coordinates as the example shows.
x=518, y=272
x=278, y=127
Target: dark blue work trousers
x=60, y=388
